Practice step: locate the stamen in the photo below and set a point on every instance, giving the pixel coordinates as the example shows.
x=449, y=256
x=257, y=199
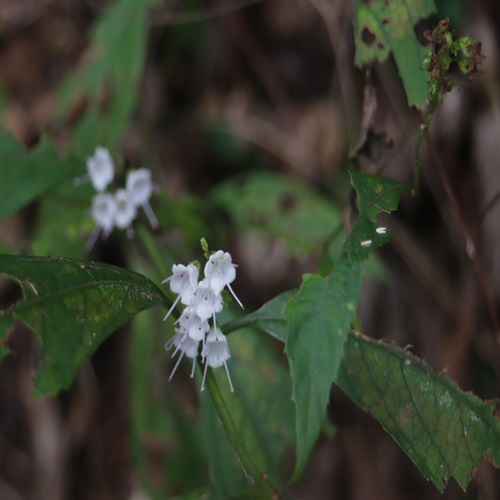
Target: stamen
x=150, y=215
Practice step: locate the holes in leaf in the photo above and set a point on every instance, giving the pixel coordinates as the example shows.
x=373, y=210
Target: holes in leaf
x=367, y=37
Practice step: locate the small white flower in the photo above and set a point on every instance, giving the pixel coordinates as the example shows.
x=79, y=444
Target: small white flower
x=100, y=169
x=103, y=212
x=206, y=302
x=141, y=187
x=216, y=353
x=183, y=281
x=125, y=211
x=192, y=325
x=220, y=272
x=187, y=346
x=366, y=243
x=381, y=230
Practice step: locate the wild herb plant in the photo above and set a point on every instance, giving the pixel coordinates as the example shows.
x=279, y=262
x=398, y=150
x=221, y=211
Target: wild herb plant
x=73, y=304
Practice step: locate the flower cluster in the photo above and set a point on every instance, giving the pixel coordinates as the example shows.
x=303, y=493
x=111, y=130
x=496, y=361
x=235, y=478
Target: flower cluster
x=118, y=209
x=203, y=300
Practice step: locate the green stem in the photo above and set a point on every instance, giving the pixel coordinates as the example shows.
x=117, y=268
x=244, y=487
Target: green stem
x=251, y=471
x=153, y=250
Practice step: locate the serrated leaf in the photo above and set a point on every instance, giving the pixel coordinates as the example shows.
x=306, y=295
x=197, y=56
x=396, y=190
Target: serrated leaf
x=320, y=314
x=28, y=174
x=73, y=306
x=381, y=27
x=444, y=430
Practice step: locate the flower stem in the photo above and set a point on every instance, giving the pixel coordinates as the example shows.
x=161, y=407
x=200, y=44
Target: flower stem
x=251, y=471
x=153, y=250
x=257, y=478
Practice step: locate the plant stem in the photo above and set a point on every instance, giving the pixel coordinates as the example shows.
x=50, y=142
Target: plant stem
x=257, y=478
x=153, y=250
x=251, y=471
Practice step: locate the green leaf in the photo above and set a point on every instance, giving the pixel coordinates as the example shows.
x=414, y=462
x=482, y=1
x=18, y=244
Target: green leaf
x=73, y=306
x=28, y=174
x=443, y=430
x=118, y=48
x=63, y=223
x=381, y=27
x=280, y=206
x=320, y=314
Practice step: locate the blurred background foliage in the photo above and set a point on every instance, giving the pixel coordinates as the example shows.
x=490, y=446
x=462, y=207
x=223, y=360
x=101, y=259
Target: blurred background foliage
x=249, y=114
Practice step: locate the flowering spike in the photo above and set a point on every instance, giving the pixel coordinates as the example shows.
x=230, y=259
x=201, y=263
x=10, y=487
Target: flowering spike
x=203, y=300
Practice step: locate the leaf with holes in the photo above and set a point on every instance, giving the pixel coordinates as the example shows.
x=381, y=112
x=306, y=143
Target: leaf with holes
x=381, y=27
x=320, y=314
x=73, y=306
x=445, y=431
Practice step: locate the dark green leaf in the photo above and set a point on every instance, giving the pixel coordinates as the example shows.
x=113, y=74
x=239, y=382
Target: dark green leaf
x=381, y=27
x=73, y=306
x=320, y=314
x=27, y=174
x=443, y=430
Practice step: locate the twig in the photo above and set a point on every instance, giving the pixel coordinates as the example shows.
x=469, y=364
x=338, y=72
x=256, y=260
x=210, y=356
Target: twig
x=468, y=238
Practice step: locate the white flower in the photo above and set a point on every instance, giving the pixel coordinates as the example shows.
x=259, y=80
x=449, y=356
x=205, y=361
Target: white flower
x=186, y=345
x=103, y=212
x=381, y=230
x=125, y=211
x=216, y=353
x=183, y=281
x=100, y=169
x=220, y=272
x=206, y=302
x=366, y=243
x=141, y=187
x=203, y=300
x=192, y=325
